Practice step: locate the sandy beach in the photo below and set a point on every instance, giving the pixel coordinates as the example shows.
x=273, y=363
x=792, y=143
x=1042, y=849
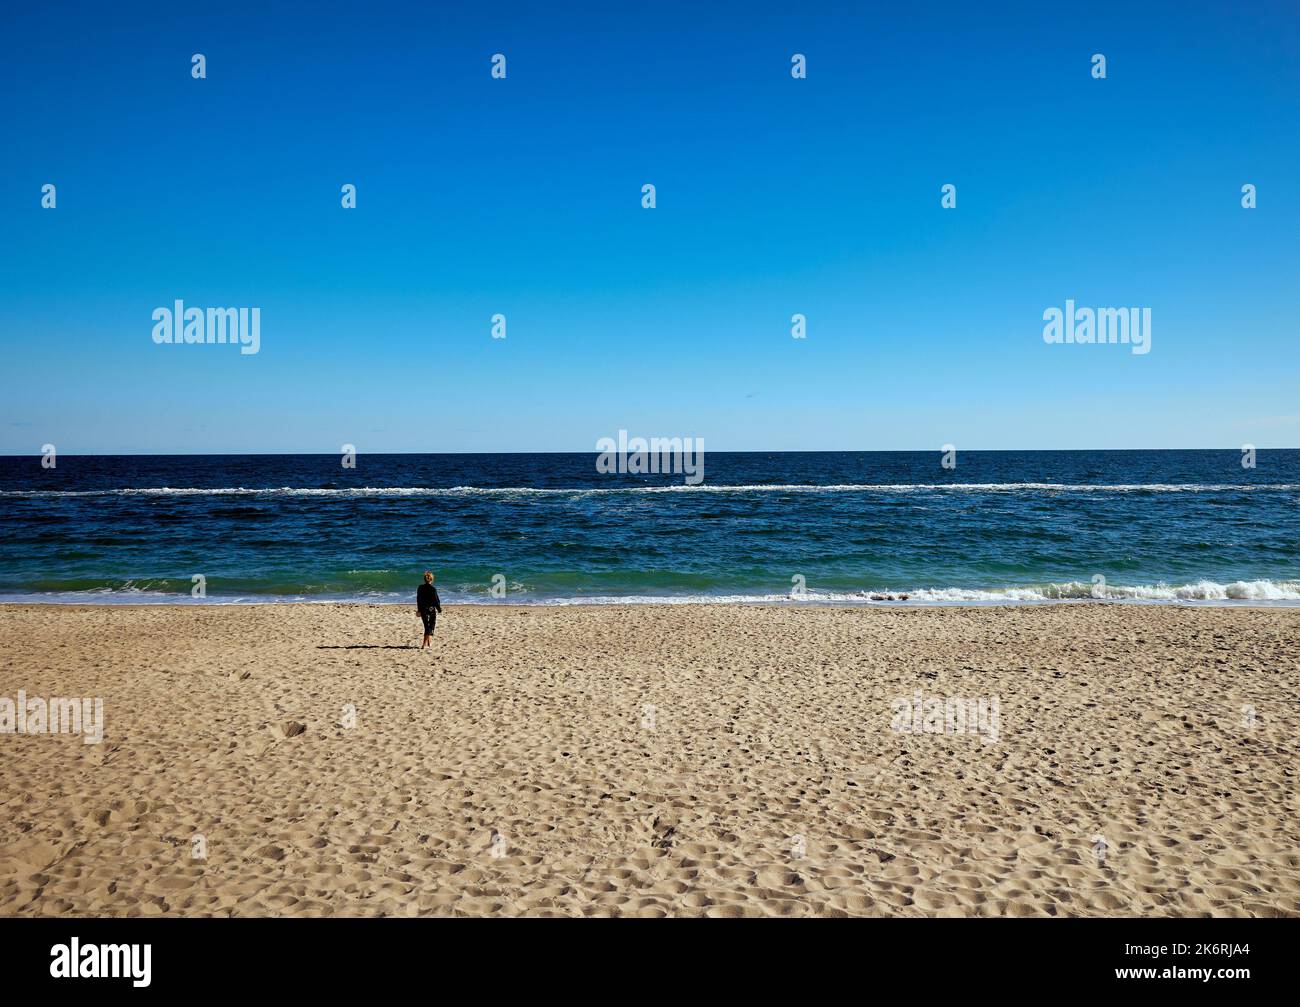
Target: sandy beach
x=655, y=760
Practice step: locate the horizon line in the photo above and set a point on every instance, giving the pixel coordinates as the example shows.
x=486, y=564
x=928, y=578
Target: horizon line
x=592, y=451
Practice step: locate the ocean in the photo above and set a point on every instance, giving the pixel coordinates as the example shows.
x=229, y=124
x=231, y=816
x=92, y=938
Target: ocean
x=791, y=527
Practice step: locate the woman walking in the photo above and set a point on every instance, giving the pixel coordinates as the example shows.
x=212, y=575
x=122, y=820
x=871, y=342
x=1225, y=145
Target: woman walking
x=427, y=606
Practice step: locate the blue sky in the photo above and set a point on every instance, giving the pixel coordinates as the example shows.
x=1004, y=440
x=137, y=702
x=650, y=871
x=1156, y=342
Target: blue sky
x=775, y=196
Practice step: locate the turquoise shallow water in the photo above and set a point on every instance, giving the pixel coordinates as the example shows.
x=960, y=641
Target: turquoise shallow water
x=1172, y=526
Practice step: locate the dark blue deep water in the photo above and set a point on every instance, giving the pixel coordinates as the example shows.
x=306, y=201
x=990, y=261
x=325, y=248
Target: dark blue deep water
x=851, y=526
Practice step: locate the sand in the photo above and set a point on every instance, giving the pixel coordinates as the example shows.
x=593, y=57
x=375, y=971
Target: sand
x=654, y=760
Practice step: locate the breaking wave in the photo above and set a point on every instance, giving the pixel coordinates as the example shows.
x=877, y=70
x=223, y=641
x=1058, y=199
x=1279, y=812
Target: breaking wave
x=1204, y=591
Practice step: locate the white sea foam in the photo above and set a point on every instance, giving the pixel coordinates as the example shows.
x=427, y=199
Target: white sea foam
x=1202, y=590
x=1254, y=592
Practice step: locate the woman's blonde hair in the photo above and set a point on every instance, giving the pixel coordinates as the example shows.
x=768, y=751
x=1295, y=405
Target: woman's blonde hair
x=428, y=576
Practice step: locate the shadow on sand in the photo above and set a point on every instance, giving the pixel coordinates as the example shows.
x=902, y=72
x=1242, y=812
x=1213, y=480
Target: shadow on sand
x=366, y=646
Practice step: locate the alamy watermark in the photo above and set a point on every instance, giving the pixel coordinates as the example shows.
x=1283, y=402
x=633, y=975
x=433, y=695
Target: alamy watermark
x=53, y=716
x=75, y=960
x=638, y=456
x=179, y=325
x=1127, y=326
x=948, y=715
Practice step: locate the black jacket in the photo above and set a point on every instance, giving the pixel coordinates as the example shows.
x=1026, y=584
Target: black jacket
x=426, y=597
